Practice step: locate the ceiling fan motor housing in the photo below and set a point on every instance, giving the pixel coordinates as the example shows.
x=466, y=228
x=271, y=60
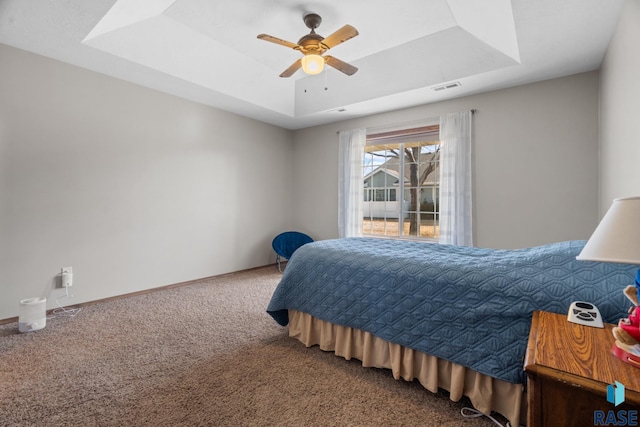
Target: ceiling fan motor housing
x=312, y=43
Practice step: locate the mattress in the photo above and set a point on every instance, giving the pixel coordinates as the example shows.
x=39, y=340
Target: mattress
x=469, y=306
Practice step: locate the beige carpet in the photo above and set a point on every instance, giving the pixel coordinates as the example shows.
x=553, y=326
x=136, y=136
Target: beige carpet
x=199, y=355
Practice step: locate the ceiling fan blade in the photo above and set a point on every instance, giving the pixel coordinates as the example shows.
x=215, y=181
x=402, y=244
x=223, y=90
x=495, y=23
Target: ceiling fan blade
x=342, y=35
x=276, y=40
x=292, y=68
x=339, y=65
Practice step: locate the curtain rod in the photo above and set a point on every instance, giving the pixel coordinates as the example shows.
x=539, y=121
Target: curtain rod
x=473, y=111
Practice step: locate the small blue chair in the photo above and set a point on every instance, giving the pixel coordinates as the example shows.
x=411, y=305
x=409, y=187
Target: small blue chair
x=285, y=244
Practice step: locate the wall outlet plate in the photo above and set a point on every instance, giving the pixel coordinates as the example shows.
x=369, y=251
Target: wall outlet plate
x=66, y=277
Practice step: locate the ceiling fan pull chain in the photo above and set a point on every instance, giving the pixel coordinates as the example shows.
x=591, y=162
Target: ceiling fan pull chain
x=326, y=74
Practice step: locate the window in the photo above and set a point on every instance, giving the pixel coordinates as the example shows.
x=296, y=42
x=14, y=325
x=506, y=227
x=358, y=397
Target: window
x=401, y=183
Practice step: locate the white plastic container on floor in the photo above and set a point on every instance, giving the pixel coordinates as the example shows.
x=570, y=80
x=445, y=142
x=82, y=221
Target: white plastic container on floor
x=32, y=314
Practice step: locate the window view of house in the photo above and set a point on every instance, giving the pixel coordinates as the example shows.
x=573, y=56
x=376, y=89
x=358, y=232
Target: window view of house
x=401, y=184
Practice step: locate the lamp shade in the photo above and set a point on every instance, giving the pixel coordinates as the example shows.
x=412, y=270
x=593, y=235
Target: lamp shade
x=312, y=63
x=617, y=237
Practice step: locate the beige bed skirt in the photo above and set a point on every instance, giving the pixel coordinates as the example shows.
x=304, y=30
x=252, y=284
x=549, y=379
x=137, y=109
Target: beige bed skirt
x=487, y=394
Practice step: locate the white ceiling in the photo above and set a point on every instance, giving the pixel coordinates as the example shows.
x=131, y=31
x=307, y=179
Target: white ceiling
x=207, y=51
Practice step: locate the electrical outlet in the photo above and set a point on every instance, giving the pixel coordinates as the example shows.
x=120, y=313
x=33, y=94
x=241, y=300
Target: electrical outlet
x=66, y=277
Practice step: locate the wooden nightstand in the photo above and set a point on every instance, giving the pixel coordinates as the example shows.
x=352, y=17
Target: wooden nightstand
x=569, y=368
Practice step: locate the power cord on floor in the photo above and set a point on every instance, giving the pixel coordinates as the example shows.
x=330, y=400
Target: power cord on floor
x=474, y=413
x=64, y=311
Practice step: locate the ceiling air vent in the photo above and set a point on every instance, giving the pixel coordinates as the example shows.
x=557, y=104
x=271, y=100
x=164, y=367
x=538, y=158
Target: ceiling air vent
x=446, y=86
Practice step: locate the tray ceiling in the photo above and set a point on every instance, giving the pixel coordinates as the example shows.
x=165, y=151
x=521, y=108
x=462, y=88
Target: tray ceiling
x=208, y=51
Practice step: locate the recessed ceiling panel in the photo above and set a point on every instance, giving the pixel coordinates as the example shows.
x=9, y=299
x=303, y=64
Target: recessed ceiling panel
x=127, y=12
x=230, y=23
x=168, y=46
x=497, y=26
x=449, y=55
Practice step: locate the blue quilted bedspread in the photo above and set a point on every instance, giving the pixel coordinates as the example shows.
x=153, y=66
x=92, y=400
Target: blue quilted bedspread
x=467, y=305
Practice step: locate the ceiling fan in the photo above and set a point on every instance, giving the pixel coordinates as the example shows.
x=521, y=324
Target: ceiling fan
x=313, y=46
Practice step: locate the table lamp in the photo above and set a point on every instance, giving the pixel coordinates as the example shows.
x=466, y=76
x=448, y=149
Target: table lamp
x=617, y=239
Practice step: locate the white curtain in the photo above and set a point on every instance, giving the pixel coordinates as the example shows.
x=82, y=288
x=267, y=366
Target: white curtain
x=350, y=191
x=455, y=179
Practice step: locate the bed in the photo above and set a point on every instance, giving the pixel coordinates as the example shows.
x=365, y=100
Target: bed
x=451, y=317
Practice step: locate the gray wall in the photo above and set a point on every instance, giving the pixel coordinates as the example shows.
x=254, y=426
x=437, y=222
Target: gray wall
x=535, y=163
x=132, y=188
x=620, y=110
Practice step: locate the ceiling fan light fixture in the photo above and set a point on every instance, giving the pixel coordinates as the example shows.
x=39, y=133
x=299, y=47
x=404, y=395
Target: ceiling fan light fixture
x=312, y=63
